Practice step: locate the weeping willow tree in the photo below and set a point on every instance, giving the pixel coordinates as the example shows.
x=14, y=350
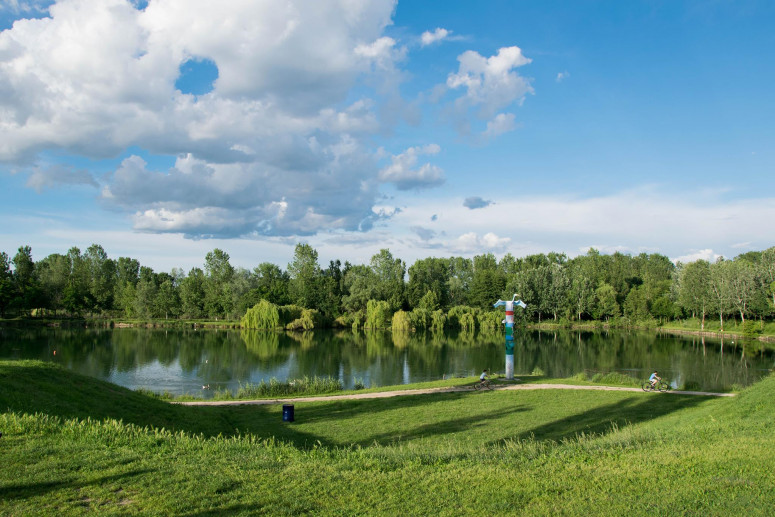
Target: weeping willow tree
x=308, y=320
x=290, y=313
x=263, y=315
x=468, y=321
x=438, y=320
x=401, y=322
x=352, y=320
x=421, y=318
x=378, y=314
x=489, y=320
x=463, y=317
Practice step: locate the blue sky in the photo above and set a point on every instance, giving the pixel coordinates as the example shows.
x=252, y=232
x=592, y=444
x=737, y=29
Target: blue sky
x=164, y=129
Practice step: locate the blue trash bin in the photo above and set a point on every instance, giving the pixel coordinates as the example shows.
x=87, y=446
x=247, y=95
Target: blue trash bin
x=287, y=412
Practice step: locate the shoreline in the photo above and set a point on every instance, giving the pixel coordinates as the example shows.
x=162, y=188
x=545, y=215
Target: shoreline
x=235, y=325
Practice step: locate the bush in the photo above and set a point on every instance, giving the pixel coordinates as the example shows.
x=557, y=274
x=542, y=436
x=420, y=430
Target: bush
x=752, y=329
x=615, y=378
x=304, y=386
x=565, y=323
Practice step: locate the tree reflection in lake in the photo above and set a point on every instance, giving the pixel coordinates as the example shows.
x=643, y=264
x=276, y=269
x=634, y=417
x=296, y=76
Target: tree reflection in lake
x=183, y=361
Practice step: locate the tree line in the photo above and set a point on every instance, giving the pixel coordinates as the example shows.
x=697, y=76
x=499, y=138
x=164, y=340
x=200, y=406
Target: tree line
x=590, y=287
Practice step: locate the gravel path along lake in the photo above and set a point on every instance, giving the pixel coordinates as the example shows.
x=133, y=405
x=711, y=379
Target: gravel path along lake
x=398, y=393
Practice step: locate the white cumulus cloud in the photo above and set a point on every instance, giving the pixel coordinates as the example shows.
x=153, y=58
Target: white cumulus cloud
x=97, y=77
x=491, y=83
x=429, y=37
x=403, y=173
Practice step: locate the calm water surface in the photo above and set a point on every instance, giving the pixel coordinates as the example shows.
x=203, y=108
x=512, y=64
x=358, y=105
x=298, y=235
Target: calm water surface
x=183, y=361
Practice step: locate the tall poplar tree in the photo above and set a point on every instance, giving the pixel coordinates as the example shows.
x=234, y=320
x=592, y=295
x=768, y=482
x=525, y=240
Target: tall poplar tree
x=305, y=275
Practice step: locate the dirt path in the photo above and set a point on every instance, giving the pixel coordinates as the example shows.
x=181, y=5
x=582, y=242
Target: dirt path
x=386, y=394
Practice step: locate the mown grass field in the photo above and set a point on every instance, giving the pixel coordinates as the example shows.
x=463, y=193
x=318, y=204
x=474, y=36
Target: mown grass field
x=73, y=445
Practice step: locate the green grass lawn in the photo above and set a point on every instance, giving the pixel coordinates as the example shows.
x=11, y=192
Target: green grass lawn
x=73, y=445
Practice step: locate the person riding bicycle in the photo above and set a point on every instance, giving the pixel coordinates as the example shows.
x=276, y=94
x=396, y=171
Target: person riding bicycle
x=483, y=377
x=654, y=379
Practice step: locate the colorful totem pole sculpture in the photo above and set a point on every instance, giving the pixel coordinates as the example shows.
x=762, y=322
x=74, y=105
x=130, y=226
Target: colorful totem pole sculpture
x=509, y=321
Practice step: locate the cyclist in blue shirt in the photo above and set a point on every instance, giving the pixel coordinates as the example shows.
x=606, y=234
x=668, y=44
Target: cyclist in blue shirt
x=654, y=379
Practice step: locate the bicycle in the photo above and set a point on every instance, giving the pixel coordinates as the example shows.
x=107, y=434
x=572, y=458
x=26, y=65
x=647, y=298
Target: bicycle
x=659, y=386
x=483, y=385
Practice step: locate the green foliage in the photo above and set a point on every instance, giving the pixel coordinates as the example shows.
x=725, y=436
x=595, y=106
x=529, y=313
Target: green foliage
x=421, y=318
x=636, y=304
x=289, y=313
x=308, y=320
x=438, y=320
x=305, y=275
x=462, y=317
x=304, y=386
x=429, y=302
x=488, y=282
x=616, y=379
x=263, y=315
x=752, y=329
x=402, y=322
x=430, y=275
x=378, y=314
x=646, y=288
x=489, y=320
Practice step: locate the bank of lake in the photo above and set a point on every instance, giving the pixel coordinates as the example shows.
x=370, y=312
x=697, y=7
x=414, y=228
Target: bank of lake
x=73, y=445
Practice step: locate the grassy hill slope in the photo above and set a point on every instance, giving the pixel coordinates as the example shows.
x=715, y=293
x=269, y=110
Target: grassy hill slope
x=73, y=445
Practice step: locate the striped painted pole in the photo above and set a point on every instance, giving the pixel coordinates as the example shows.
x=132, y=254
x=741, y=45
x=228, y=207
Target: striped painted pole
x=509, y=321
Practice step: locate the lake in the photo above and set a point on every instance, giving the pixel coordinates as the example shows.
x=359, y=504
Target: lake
x=183, y=361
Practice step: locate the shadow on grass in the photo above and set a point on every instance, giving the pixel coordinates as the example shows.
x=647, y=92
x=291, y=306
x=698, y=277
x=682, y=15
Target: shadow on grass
x=454, y=425
x=265, y=421
x=27, y=490
x=602, y=419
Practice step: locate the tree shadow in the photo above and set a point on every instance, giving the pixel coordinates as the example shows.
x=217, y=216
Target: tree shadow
x=603, y=419
x=454, y=425
x=263, y=422
x=27, y=490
